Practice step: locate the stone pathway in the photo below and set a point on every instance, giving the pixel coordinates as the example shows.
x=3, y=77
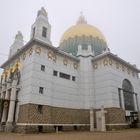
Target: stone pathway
x=131, y=134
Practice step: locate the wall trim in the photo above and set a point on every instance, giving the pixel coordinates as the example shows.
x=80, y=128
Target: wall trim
x=44, y=124
x=117, y=124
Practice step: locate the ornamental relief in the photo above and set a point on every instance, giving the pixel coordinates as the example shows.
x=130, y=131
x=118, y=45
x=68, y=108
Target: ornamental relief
x=105, y=62
x=117, y=65
x=52, y=56
x=110, y=62
x=30, y=51
x=95, y=66
x=75, y=65
x=38, y=50
x=128, y=70
x=65, y=62
x=11, y=70
x=24, y=55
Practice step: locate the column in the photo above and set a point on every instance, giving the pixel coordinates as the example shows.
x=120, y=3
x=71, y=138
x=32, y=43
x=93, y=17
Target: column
x=135, y=102
x=12, y=102
x=103, y=125
x=2, y=98
x=0, y=101
x=2, y=106
x=4, y=113
x=5, y=107
x=122, y=99
x=91, y=120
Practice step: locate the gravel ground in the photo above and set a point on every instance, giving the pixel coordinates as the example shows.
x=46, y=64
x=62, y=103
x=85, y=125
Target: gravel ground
x=131, y=134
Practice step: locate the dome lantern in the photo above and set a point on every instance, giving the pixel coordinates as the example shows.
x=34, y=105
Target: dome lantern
x=81, y=19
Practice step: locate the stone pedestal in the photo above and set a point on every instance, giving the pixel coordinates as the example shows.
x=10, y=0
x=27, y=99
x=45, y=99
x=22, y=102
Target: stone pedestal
x=9, y=127
x=100, y=119
x=103, y=126
x=1, y=128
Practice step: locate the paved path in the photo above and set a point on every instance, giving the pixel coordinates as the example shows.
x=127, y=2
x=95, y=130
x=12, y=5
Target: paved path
x=131, y=134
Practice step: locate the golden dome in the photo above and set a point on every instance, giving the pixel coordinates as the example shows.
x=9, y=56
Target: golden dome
x=80, y=29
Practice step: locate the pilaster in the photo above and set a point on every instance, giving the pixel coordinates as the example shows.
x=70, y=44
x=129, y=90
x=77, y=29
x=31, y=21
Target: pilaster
x=10, y=123
x=122, y=99
x=91, y=120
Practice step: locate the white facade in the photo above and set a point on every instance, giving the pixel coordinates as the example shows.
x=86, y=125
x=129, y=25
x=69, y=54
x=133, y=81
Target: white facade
x=50, y=76
x=92, y=88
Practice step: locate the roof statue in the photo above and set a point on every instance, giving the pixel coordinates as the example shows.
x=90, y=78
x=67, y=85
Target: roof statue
x=19, y=36
x=42, y=12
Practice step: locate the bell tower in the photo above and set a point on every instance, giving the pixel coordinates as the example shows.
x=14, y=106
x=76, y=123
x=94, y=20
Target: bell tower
x=17, y=45
x=41, y=29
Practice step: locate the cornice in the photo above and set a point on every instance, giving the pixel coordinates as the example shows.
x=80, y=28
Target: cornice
x=115, y=57
x=36, y=42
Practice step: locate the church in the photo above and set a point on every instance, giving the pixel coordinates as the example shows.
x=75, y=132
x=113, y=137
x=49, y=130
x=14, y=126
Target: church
x=79, y=85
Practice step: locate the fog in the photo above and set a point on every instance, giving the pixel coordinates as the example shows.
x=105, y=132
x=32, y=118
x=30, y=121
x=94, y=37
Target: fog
x=119, y=21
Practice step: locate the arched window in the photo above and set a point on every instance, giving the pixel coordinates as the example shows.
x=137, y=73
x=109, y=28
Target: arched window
x=33, y=31
x=128, y=95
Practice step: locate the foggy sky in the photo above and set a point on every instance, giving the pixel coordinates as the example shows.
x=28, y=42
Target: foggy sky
x=119, y=21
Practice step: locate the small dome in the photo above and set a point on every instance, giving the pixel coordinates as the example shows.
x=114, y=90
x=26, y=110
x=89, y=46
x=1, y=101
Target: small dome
x=83, y=34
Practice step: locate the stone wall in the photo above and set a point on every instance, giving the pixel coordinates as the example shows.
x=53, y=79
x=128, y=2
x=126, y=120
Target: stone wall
x=52, y=115
x=115, y=118
x=23, y=113
x=115, y=115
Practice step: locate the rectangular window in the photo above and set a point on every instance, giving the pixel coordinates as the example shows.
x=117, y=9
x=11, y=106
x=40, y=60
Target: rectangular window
x=65, y=76
x=73, y=78
x=44, y=32
x=42, y=68
x=40, y=109
x=55, y=73
x=41, y=90
x=33, y=31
